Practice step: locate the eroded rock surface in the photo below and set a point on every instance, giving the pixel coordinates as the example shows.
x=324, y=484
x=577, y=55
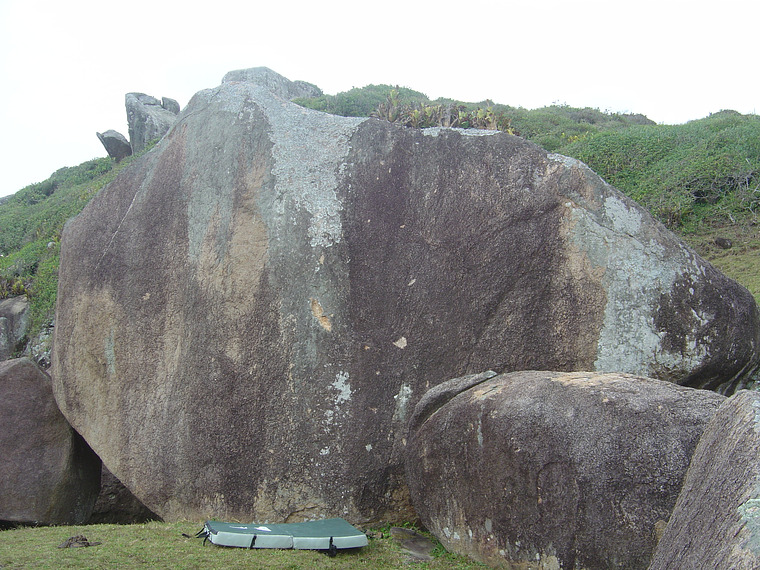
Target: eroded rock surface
x=716, y=521
x=555, y=470
x=48, y=474
x=248, y=314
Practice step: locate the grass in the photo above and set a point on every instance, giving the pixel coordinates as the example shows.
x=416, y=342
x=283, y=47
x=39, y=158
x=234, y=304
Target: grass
x=741, y=262
x=162, y=545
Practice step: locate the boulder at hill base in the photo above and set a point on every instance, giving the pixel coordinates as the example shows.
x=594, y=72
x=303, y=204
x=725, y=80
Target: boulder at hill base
x=14, y=323
x=543, y=470
x=248, y=314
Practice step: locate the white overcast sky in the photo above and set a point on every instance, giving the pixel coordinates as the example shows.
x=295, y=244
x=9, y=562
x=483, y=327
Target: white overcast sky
x=66, y=66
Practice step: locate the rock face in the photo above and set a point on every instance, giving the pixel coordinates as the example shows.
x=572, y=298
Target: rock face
x=116, y=144
x=553, y=470
x=14, y=322
x=48, y=474
x=716, y=521
x=248, y=314
x=148, y=118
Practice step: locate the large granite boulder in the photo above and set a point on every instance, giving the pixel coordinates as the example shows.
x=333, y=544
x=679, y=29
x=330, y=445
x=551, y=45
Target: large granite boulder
x=14, y=323
x=48, y=474
x=248, y=314
x=716, y=521
x=148, y=118
x=551, y=469
x=116, y=144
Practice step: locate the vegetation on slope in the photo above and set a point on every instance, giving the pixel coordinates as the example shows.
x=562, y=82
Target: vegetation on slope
x=31, y=223
x=705, y=171
x=360, y=102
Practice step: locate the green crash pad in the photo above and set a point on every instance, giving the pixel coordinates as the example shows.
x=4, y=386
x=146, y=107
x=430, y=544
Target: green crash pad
x=327, y=534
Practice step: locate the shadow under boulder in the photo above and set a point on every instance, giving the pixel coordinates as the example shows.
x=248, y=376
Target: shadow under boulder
x=117, y=505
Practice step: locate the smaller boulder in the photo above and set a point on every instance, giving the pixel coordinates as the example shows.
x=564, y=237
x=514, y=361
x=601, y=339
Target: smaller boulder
x=170, y=105
x=716, y=521
x=48, y=474
x=552, y=469
x=148, y=118
x=723, y=243
x=14, y=322
x=116, y=144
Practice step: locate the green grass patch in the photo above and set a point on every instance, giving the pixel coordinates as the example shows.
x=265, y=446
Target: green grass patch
x=741, y=262
x=742, y=267
x=162, y=545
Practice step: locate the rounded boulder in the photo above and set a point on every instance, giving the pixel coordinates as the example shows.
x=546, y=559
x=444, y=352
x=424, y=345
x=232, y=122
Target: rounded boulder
x=552, y=469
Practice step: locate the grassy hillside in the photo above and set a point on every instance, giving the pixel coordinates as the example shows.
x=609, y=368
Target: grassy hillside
x=31, y=223
x=701, y=179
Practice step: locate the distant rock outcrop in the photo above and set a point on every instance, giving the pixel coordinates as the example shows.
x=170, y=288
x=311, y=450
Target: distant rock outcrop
x=248, y=315
x=117, y=146
x=274, y=82
x=716, y=521
x=48, y=474
x=14, y=322
x=148, y=118
x=39, y=347
x=557, y=470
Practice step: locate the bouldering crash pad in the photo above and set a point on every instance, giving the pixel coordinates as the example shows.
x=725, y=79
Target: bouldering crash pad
x=327, y=534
